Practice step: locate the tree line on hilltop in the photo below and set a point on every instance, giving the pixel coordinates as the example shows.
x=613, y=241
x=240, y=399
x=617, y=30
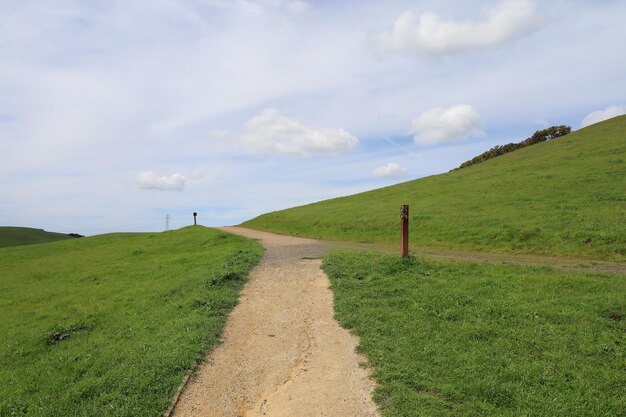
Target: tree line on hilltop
x=538, y=137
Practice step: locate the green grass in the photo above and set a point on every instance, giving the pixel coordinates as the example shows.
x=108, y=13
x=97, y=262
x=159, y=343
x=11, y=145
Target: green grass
x=17, y=236
x=566, y=197
x=108, y=326
x=461, y=339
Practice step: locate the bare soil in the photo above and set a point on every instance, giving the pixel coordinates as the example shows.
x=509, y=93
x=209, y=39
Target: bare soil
x=283, y=353
x=566, y=263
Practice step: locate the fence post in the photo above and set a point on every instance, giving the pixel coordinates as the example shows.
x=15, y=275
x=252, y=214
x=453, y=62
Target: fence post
x=404, y=230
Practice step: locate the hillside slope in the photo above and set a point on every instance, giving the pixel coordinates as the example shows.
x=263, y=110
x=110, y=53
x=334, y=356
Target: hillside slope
x=17, y=236
x=108, y=325
x=566, y=197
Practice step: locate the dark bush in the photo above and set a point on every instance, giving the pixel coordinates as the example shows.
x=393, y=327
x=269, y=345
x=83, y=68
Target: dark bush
x=537, y=137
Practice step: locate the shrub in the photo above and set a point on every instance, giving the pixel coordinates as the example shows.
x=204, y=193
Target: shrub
x=537, y=137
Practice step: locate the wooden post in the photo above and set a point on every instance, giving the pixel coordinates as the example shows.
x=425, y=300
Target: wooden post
x=194, y=218
x=404, y=230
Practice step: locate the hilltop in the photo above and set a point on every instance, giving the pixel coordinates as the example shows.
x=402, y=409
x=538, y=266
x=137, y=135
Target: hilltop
x=537, y=137
x=18, y=236
x=565, y=197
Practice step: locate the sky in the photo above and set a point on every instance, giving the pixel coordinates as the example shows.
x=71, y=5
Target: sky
x=114, y=114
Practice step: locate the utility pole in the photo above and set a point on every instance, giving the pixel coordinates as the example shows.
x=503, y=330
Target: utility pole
x=167, y=222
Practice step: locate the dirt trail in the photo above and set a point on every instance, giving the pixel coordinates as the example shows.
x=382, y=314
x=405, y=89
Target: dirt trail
x=523, y=259
x=283, y=353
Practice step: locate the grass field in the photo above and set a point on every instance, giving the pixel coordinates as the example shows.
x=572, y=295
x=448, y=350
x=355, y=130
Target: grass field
x=461, y=339
x=108, y=325
x=562, y=197
x=17, y=236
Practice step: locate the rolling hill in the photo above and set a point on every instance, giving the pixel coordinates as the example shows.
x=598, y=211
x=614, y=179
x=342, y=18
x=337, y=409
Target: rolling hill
x=564, y=197
x=108, y=325
x=17, y=236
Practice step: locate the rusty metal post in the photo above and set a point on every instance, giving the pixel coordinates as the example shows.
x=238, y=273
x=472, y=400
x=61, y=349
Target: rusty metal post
x=194, y=218
x=404, y=230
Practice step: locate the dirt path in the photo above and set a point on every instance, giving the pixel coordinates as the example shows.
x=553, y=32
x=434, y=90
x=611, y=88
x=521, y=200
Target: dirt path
x=523, y=259
x=283, y=353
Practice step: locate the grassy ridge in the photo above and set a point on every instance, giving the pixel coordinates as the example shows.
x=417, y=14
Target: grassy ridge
x=109, y=325
x=462, y=339
x=17, y=236
x=562, y=197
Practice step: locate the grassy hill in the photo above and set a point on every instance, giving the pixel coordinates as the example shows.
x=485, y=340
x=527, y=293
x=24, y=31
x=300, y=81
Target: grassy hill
x=455, y=339
x=108, y=325
x=16, y=236
x=566, y=196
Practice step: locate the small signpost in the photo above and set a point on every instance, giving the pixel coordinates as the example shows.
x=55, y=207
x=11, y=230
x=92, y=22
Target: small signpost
x=404, y=230
x=194, y=218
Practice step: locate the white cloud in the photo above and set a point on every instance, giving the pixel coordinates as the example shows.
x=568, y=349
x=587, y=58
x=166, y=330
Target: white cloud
x=297, y=6
x=390, y=170
x=149, y=180
x=506, y=21
x=271, y=133
x=102, y=95
x=600, y=115
x=440, y=124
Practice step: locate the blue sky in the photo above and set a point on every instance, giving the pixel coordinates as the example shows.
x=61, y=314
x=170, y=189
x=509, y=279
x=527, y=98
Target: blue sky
x=114, y=114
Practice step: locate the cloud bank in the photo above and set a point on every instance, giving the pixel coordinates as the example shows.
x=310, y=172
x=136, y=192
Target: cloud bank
x=390, y=170
x=504, y=22
x=600, y=115
x=103, y=91
x=149, y=180
x=440, y=125
x=271, y=133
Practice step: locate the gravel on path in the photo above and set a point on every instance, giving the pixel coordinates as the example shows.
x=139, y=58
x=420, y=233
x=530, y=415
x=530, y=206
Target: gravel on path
x=283, y=353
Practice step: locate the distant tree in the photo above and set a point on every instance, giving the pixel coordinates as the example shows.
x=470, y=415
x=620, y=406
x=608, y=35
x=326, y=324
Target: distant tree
x=547, y=134
x=537, y=137
x=75, y=235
